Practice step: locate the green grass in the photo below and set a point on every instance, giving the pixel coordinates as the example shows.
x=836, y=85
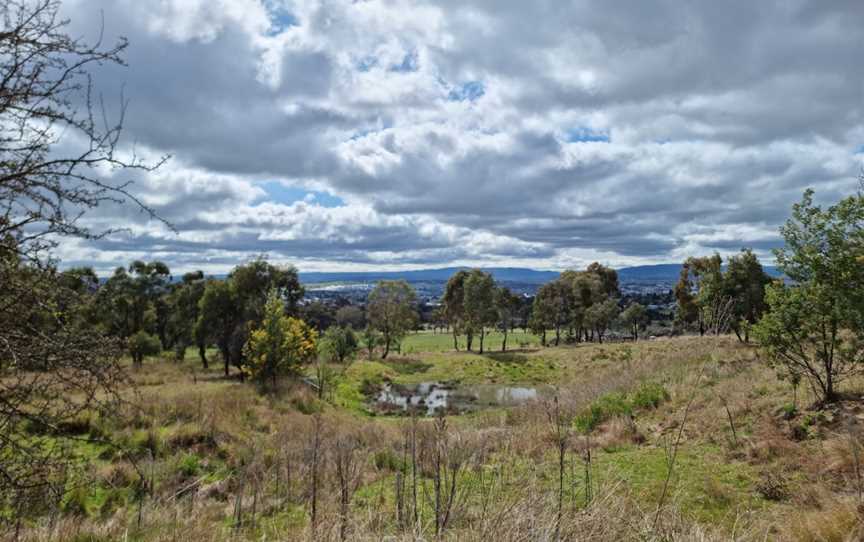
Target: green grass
x=647, y=396
x=708, y=486
x=426, y=341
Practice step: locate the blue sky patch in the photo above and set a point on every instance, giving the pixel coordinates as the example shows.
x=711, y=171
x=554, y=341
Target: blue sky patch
x=367, y=63
x=280, y=20
x=469, y=91
x=859, y=150
x=410, y=63
x=281, y=193
x=582, y=134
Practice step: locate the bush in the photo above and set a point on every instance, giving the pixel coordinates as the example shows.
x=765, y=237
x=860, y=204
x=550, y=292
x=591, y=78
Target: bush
x=388, y=460
x=649, y=395
x=306, y=404
x=611, y=405
x=143, y=344
x=189, y=465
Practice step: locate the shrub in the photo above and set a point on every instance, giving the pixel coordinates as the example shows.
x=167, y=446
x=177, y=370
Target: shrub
x=143, y=344
x=306, y=404
x=649, y=395
x=189, y=465
x=611, y=405
x=388, y=460
x=772, y=486
x=604, y=408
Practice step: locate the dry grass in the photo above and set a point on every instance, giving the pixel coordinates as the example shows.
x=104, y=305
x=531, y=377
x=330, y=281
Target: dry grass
x=215, y=450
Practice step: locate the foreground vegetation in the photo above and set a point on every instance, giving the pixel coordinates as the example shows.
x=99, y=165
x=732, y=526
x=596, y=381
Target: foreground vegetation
x=737, y=451
x=107, y=433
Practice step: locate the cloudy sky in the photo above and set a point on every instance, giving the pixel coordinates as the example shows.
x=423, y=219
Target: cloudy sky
x=348, y=135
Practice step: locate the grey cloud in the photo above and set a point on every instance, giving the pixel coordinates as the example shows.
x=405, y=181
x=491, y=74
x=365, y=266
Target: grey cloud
x=752, y=102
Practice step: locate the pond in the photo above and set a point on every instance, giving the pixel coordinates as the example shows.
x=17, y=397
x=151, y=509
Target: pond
x=431, y=398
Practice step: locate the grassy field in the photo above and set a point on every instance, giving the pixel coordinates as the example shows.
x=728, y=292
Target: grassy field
x=427, y=341
x=227, y=461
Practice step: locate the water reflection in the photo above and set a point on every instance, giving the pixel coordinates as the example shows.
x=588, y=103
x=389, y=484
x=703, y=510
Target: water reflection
x=431, y=398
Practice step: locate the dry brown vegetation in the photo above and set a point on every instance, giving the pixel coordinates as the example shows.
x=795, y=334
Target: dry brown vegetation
x=213, y=459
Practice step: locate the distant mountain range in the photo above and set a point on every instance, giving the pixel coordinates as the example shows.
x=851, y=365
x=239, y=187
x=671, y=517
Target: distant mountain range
x=667, y=273
x=504, y=274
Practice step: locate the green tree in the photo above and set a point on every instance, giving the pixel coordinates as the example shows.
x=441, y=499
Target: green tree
x=744, y=283
x=220, y=313
x=586, y=290
x=183, y=308
x=551, y=309
x=370, y=340
x=814, y=325
x=479, y=304
x=635, y=317
x=280, y=345
x=351, y=316
x=143, y=344
x=507, y=306
x=339, y=344
x=149, y=283
x=254, y=280
x=686, y=310
x=318, y=315
x=600, y=316
x=608, y=278
x=453, y=304
x=391, y=311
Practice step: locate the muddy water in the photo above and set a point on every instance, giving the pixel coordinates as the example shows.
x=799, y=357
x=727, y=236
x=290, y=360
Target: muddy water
x=430, y=398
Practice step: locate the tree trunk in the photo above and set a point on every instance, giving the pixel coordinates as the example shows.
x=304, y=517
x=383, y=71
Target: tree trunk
x=225, y=358
x=455, y=340
x=386, y=346
x=482, y=336
x=203, y=355
x=504, y=342
x=828, y=388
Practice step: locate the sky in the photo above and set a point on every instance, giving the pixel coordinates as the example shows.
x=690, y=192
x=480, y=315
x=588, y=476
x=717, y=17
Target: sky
x=393, y=134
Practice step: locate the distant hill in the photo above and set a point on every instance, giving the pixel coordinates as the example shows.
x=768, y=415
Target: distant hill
x=504, y=274
x=667, y=273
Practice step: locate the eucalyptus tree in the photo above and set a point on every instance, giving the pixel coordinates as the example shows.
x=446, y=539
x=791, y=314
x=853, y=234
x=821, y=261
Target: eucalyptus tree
x=220, y=314
x=551, y=309
x=635, y=316
x=183, y=303
x=507, y=305
x=391, y=309
x=453, y=304
x=744, y=282
x=479, y=311
x=814, y=327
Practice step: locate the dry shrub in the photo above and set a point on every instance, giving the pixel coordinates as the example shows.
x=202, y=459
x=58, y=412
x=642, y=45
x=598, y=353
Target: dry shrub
x=772, y=485
x=192, y=437
x=617, y=433
x=118, y=475
x=835, y=521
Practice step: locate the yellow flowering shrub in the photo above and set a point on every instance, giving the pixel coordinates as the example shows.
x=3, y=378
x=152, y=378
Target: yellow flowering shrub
x=281, y=345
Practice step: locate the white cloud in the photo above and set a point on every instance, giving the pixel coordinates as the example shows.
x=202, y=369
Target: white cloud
x=446, y=127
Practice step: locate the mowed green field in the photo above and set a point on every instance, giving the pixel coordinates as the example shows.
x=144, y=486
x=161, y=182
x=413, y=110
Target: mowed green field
x=427, y=341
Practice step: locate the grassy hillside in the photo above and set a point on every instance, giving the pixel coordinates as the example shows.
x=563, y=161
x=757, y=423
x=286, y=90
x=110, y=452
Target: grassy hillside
x=214, y=459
